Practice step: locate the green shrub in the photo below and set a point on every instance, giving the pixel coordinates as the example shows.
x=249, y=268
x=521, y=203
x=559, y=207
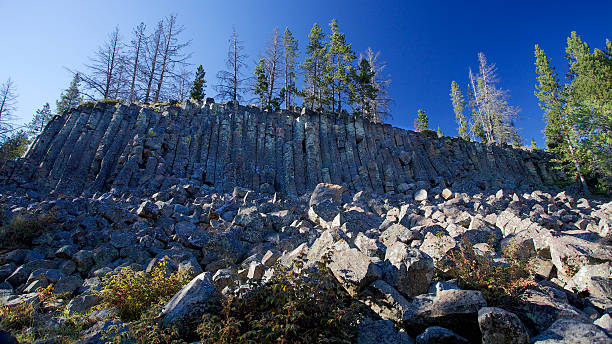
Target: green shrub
x=306, y=307
x=499, y=283
x=133, y=293
x=20, y=230
x=27, y=321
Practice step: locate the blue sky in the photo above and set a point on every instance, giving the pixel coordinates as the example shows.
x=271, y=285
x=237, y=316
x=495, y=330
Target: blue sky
x=425, y=43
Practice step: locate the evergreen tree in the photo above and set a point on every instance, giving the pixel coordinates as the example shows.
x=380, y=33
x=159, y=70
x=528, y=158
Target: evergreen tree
x=458, y=105
x=40, y=119
x=290, y=49
x=534, y=145
x=199, y=84
x=589, y=104
x=14, y=146
x=261, y=84
x=561, y=138
x=439, y=132
x=314, y=68
x=422, y=121
x=71, y=97
x=339, y=66
x=362, y=91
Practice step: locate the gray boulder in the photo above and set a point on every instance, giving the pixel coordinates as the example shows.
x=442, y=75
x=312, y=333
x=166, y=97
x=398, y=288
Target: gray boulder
x=352, y=268
x=499, y=326
x=572, y=331
x=148, y=209
x=381, y=332
x=440, y=335
x=413, y=269
x=185, y=308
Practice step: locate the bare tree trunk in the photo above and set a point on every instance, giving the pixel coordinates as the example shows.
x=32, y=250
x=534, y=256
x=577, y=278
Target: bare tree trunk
x=140, y=34
x=153, y=61
x=171, y=22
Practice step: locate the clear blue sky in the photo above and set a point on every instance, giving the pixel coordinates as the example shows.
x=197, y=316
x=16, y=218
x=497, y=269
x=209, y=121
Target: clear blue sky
x=425, y=43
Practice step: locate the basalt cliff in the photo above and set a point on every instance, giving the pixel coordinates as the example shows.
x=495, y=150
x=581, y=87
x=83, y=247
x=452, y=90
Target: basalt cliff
x=102, y=146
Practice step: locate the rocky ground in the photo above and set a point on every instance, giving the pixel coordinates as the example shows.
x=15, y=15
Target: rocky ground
x=399, y=254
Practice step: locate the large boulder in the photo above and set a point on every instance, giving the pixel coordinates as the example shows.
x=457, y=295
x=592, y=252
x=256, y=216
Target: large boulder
x=440, y=335
x=387, y=302
x=381, y=332
x=186, y=308
x=352, y=268
x=594, y=279
x=412, y=269
x=499, y=326
x=324, y=191
x=148, y=209
x=456, y=310
x=570, y=253
x=572, y=331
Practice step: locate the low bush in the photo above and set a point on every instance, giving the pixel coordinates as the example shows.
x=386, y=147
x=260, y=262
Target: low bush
x=292, y=307
x=28, y=321
x=21, y=230
x=134, y=292
x=498, y=282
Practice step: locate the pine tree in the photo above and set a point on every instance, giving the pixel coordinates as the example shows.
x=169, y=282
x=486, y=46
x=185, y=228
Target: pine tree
x=422, y=121
x=71, y=97
x=40, y=119
x=589, y=105
x=314, y=67
x=362, y=91
x=261, y=84
x=561, y=138
x=199, y=84
x=290, y=49
x=458, y=105
x=439, y=132
x=14, y=146
x=534, y=145
x=339, y=66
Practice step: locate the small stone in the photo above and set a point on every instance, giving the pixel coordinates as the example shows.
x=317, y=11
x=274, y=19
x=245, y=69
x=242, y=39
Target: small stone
x=420, y=195
x=447, y=194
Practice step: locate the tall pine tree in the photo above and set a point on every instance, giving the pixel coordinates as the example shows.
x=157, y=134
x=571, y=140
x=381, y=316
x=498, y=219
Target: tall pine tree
x=458, y=107
x=290, y=49
x=339, y=66
x=314, y=68
x=71, y=97
x=561, y=138
x=199, y=84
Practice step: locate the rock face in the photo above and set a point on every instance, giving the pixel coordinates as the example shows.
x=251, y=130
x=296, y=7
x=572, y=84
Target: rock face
x=97, y=147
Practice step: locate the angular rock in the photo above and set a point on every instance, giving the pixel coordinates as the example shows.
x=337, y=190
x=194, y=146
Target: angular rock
x=353, y=269
x=499, y=326
x=440, y=335
x=381, y=332
x=148, y=210
x=413, y=269
x=572, y=331
x=186, y=308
